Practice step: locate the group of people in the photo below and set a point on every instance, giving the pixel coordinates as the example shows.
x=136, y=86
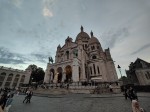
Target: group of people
x=132, y=95
x=6, y=99
x=7, y=95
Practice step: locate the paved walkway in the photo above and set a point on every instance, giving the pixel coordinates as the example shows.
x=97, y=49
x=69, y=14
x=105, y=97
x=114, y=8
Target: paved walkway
x=78, y=103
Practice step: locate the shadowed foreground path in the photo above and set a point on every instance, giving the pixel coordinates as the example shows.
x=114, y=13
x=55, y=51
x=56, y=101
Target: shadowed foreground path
x=76, y=103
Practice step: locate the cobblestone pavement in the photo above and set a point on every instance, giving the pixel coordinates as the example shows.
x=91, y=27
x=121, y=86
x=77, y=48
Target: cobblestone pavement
x=76, y=103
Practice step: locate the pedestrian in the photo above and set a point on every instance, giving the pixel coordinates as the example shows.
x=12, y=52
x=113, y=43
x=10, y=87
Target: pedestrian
x=29, y=97
x=132, y=94
x=67, y=86
x=8, y=102
x=126, y=92
x=3, y=99
x=110, y=88
x=136, y=106
x=26, y=97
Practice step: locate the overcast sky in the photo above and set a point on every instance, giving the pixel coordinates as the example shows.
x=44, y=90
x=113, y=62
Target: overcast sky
x=30, y=30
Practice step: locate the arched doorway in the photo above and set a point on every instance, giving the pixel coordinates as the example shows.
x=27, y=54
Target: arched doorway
x=51, y=77
x=59, y=73
x=68, y=70
x=9, y=79
x=22, y=80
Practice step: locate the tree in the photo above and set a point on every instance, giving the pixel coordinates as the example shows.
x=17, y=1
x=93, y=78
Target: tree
x=37, y=74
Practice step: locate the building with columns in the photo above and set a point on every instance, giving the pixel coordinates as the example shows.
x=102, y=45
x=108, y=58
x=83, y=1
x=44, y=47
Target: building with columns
x=139, y=72
x=82, y=60
x=11, y=78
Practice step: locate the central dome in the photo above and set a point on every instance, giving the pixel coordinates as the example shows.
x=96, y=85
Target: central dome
x=82, y=36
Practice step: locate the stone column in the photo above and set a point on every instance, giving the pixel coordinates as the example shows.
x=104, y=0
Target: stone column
x=63, y=76
x=47, y=77
x=75, y=70
x=3, y=85
x=12, y=81
x=55, y=77
x=19, y=80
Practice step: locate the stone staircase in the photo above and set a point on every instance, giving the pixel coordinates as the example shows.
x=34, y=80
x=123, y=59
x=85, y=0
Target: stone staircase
x=52, y=91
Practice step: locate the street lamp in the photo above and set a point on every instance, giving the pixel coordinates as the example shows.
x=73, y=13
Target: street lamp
x=120, y=70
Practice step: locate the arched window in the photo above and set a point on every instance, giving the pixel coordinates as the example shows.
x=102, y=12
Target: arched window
x=94, y=57
x=2, y=77
x=67, y=53
x=16, y=80
x=22, y=80
x=94, y=68
x=86, y=46
x=93, y=47
x=147, y=75
x=98, y=69
x=9, y=79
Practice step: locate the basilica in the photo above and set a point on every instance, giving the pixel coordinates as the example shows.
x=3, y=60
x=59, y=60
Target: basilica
x=81, y=60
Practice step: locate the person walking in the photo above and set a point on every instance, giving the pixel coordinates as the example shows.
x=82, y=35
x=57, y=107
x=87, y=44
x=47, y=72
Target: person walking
x=132, y=94
x=26, y=97
x=126, y=93
x=110, y=88
x=8, y=102
x=29, y=97
x=3, y=99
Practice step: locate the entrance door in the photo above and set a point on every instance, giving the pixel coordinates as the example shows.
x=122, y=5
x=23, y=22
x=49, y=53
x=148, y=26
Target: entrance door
x=59, y=73
x=68, y=73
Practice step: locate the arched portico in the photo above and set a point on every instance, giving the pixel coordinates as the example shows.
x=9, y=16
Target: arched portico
x=68, y=71
x=59, y=74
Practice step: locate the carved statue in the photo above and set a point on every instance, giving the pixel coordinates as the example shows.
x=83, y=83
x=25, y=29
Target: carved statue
x=51, y=60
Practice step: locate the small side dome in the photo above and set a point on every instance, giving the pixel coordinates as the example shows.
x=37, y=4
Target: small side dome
x=93, y=40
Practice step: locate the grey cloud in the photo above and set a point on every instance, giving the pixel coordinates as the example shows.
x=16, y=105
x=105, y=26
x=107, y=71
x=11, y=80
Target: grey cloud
x=11, y=61
x=141, y=49
x=6, y=57
x=112, y=37
x=40, y=57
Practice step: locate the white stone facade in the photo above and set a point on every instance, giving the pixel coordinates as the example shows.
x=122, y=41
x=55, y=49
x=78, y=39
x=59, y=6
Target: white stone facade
x=82, y=60
x=11, y=78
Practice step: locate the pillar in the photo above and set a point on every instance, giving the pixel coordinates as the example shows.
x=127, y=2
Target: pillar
x=75, y=70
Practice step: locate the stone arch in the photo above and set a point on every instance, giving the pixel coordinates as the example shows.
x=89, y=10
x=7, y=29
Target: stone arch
x=68, y=71
x=2, y=77
x=51, y=77
x=59, y=74
x=16, y=80
x=22, y=80
x=9, y=79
